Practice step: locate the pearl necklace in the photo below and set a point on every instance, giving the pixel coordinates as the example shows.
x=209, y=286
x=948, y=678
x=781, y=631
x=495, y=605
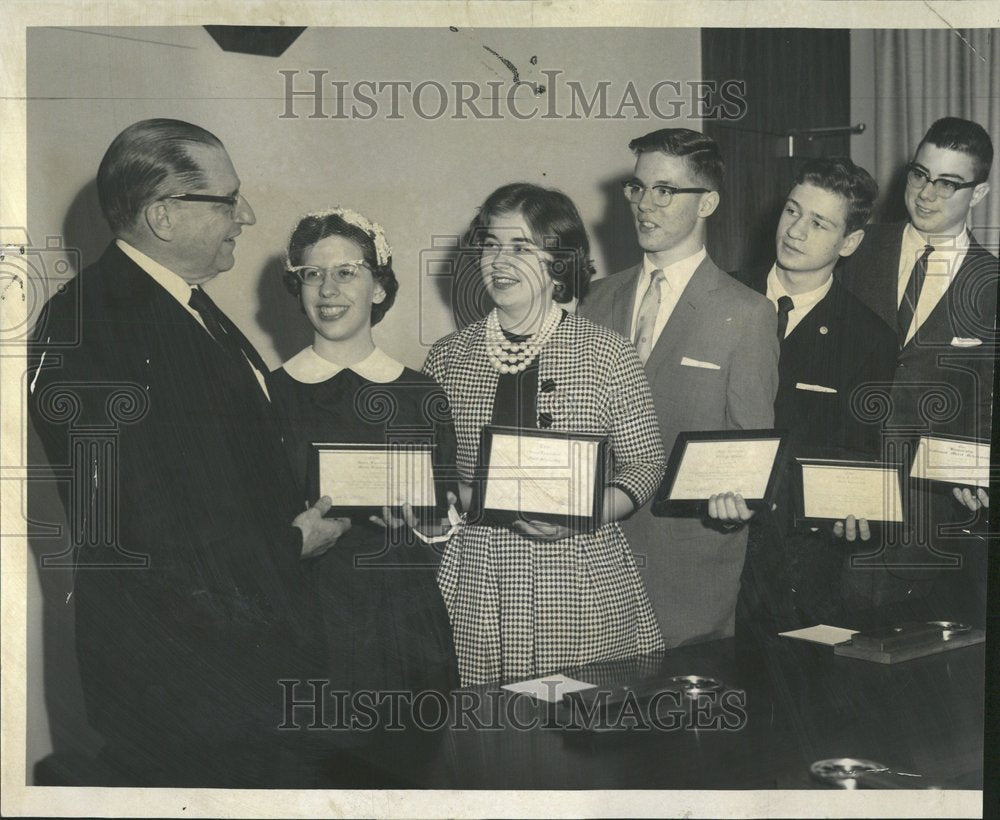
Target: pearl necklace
x=514, y=357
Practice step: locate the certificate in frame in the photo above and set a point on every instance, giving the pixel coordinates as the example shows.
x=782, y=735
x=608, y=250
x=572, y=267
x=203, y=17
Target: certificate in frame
x=704, y=463
x=363, y=478
x=552, y=476
x=828, y=490
x=941, y=462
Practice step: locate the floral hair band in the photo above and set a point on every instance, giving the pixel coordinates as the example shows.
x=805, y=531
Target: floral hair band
x=383, y=252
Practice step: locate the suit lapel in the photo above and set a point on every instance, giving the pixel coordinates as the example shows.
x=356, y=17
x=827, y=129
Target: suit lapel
x=684, y=318
x=814, y=339
x=623, y=303
x=948, y=318
x=883, y=285
x=248, y=349
x=133, y=293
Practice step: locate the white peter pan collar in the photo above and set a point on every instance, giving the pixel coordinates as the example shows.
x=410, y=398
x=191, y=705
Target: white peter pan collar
x=308, y=367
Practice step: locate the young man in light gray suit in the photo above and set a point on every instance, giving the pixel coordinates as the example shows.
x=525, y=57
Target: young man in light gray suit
x=710, y=349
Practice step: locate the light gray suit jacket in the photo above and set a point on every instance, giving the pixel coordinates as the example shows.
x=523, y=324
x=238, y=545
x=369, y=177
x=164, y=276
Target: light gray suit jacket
x=691, y=568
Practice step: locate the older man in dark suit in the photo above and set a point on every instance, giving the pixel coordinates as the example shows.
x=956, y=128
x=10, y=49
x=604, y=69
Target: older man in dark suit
x=710, y=351
x=930, y=279
x=832, y=346
x=188, y=604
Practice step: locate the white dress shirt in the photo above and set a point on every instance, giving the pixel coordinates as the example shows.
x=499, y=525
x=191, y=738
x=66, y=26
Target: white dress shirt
x=942, y=265
x=676, y=278
x=804, y=302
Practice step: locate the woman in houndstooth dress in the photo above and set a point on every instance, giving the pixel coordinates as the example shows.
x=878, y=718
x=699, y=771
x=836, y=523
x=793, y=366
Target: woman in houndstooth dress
x=534, y=598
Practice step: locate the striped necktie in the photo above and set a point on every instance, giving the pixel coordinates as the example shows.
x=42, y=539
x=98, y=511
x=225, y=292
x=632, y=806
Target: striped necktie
x=911, y=295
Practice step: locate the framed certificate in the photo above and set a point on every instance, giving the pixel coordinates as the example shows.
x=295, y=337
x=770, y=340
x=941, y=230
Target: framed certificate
x=361, y=479
x=830, y=490
x=952, y=460
x=541, y=475
x=748, y=462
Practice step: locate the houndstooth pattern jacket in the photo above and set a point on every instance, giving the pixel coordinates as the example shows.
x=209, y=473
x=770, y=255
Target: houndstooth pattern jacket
x=519, y=607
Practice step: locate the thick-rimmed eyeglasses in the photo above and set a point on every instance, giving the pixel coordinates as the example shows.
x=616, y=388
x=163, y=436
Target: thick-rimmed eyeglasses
x=313, y=277
x=917, y=177
x=231, y=201
x=660, y=194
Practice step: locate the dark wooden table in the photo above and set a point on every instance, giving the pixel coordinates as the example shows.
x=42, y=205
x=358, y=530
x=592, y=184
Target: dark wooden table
x=790, y=703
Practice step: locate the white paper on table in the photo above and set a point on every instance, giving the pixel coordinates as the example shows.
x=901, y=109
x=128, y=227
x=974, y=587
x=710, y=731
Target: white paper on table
x=367, y=476
x=739, y=466
x=551, y=688
x=542, y=475
x=836, y=491
x=821, y=633
x=956, y=462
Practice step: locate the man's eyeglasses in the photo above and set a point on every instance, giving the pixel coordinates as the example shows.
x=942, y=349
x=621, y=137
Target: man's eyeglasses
x=313, y=277
x=917, y=177
x=661, y=194
x=231, y=201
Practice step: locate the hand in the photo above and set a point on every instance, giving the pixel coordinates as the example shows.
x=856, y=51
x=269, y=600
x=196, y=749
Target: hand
x=540, y=530
x=319, y=533
x=443, y=527
x=852, y=528
x=974, y=502
x=729, y=508
x=427, y=529
x=390, y=521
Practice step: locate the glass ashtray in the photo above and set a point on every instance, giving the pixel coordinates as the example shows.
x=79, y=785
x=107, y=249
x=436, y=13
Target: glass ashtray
x=844, y=771
x=694, y=685
x=951, y=628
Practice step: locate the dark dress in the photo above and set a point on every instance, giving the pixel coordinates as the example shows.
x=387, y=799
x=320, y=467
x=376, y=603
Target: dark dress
x=384, y=622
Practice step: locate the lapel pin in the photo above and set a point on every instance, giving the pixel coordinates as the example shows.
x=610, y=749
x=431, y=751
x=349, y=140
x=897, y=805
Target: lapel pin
x=824, y=330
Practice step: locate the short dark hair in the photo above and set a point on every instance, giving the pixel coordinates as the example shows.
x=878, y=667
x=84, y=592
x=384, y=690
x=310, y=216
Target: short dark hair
x=966, y=136
x=839, y=175
x=315, y=227
x=556, y=227
x=147, y=161
x=700, y=152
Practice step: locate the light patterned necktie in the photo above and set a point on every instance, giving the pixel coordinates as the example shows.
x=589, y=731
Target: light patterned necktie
x=646, y=320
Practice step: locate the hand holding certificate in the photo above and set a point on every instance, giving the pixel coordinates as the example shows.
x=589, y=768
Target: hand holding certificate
x=363, y=479
x=543, y=483
x=956, y=463
x=830, y=490
x=724, y=473
x=952, y=460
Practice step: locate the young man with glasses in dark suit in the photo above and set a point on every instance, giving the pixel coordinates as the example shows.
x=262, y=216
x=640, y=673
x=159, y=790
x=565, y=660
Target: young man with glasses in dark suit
x=932, y=282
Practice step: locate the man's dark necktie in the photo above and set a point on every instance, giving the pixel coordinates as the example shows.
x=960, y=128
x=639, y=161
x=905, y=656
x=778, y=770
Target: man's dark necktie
x=911, y=296
x=785, y=306
x=208, y=311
